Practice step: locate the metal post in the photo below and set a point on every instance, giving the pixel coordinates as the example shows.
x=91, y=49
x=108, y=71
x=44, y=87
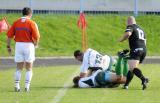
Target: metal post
x=30, y=4
x=135, y=8
x=81, y=6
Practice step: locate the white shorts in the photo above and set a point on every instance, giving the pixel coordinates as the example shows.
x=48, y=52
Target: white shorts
x=108, y=76
x=24, y=52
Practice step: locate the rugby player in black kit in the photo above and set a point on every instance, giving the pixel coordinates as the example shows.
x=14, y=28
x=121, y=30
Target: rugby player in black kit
x=137, y=44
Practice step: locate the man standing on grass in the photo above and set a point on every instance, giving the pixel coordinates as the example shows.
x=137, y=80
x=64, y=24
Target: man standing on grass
x=26, y=35
x=137, y=44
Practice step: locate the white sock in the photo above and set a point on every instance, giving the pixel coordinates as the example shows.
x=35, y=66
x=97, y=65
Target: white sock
x=17, y=78
x=28, y=79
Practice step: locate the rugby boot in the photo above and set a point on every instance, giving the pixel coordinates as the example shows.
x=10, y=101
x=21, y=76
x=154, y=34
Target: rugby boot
x=17, y=89
x=144, y=83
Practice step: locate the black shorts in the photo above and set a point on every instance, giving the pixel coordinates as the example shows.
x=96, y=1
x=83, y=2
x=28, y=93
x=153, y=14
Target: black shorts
x=138, y=54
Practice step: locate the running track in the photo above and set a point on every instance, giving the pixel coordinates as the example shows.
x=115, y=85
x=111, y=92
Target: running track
x=8, y=62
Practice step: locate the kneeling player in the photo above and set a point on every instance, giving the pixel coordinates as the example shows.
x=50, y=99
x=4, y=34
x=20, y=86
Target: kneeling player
x=105, y=78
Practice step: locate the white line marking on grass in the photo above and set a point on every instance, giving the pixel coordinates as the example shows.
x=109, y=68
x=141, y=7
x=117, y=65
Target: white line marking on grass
x=61, y=92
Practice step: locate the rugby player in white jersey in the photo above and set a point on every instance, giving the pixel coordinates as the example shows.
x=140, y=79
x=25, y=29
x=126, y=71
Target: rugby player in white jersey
x=103, y=78
x=91, y=59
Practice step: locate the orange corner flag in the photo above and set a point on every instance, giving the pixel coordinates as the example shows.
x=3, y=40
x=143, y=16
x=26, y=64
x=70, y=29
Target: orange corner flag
x=83, y=24
x=4, y=26
x=82, y=21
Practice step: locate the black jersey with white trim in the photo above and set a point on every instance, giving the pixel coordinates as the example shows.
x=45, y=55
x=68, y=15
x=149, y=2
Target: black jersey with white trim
x=138, y=37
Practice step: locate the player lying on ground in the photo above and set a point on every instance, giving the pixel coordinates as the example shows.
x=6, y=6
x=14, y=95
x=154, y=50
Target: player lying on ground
x=91, y=59
x=104, y=78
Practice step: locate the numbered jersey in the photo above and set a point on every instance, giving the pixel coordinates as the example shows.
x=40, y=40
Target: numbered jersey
x=93, y=58
x=138, y=38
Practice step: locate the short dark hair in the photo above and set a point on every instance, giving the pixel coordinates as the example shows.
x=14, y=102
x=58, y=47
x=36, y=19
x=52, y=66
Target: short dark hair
x=77, y=53
x=26, y=11
x=76, y=80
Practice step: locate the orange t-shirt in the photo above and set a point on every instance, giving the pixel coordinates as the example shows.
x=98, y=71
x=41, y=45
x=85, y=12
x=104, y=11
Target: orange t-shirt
x=24, y=30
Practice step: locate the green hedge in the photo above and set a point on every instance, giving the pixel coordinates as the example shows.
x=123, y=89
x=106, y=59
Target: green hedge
x=60, y=35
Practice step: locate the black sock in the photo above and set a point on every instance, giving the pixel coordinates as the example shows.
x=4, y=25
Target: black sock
x=129, y=78
x=138, y=73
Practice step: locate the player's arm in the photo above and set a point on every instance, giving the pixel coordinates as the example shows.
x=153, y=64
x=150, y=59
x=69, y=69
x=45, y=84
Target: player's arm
x=35, y=34
x=82, y=74
x=86, y=74
x=89, y=72
x=10, y=35
x=9, y=46
x=84, y=69
x=125, y=36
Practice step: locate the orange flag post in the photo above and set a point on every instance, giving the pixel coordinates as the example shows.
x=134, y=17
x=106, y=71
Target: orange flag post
x=83, y=24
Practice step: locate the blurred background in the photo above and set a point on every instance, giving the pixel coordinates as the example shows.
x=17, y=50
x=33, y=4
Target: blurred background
x=89, y=6
x=106, y=22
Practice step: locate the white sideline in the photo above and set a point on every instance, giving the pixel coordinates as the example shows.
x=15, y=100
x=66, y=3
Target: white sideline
x=61, y=92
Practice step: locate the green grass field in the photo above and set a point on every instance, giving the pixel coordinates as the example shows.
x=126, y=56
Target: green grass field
x=60, y=35
x=53, y=85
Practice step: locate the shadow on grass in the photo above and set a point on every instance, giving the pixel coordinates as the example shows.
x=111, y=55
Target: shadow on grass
x=50, y=87
x=44, y=88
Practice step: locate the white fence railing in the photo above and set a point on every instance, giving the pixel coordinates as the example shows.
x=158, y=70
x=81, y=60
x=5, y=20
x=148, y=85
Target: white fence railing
x=90, y=6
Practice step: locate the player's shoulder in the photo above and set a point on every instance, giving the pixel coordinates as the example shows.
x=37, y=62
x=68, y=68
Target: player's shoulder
x=91, y=50
x=134, y=26
x=137, y=26
x=88, y=50
x=31, y=21
x=131, y=26
x=18, y=20
x=106, y=56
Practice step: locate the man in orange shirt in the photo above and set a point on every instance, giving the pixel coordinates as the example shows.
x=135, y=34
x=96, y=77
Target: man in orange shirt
x=26, y=35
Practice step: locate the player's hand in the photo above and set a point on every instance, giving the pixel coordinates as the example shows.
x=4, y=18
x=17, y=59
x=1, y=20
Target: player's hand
x=36, y=46
x=9, y=49
x=119, y=40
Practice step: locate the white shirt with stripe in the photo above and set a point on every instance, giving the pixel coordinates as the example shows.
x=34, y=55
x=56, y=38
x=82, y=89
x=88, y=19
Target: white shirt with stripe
x=92, y=58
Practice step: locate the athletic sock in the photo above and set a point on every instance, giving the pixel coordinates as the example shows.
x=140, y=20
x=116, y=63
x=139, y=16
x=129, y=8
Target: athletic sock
x=118, y=68
x=138, y=73
x=125, y=67
x=129, y=77
x=28, y=79
x=17, y=78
